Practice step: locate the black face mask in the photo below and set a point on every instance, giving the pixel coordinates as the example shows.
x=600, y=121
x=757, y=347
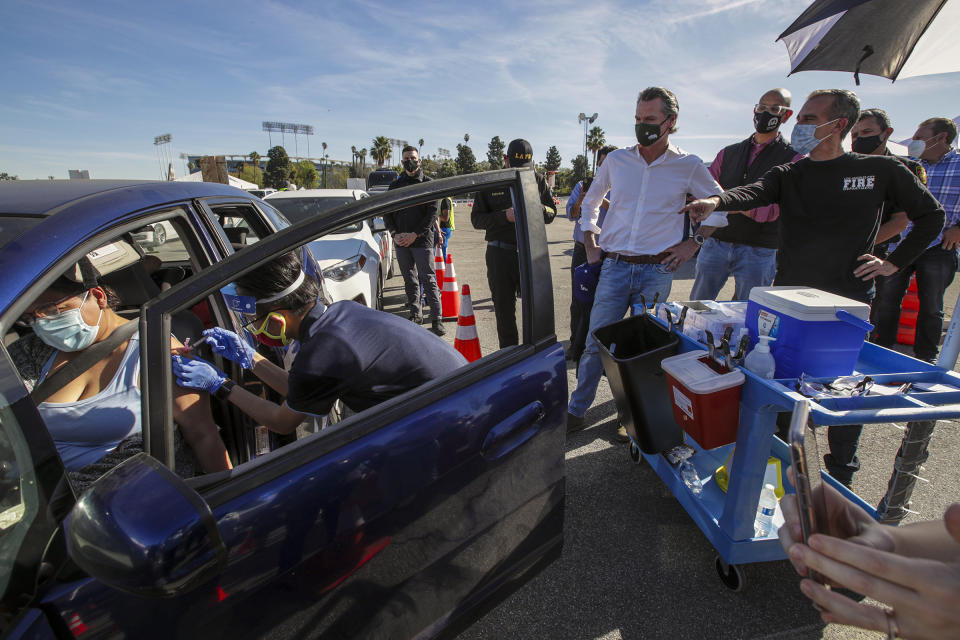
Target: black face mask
x=411, y=165
x=765, y=122
x=867, y=144
x=648, y=134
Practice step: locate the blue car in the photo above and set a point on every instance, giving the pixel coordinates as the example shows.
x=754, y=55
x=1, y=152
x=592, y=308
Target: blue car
x=408, y=519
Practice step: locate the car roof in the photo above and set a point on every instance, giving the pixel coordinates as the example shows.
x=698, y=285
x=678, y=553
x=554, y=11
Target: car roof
x=67, y=211
x=319, y=193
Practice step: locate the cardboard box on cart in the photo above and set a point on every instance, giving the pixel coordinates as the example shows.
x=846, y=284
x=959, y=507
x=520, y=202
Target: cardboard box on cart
x=817, y=333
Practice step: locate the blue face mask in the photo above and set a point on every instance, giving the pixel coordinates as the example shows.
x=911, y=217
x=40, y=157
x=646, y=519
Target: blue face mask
x=803, y=138
x=67, y=331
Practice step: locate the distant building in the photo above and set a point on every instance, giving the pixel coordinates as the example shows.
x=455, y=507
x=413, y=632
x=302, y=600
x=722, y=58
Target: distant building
x=79, y=174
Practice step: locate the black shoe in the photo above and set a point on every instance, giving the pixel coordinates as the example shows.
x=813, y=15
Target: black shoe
x=416, y=317
x=574, y=423
x=437, y=327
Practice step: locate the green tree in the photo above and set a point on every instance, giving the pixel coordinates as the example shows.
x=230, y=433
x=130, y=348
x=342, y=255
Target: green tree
x=595, y=141
x=380, y=151
x=495, y=152
x=446, y=169
x=251, y=173
x=581, y=166
x=466, y=161
x=254, y=158
x=305, y=175
x=7, y=176
x=466, y=138
x=553, y=159
x=420, y=145
x=278, y=168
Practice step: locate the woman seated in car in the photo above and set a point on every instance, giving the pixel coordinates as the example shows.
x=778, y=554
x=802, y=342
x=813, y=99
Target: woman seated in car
x=95, y=417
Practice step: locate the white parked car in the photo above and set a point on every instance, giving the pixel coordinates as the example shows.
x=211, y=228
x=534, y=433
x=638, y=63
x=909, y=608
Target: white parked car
x=357, y=259
x=153, y=236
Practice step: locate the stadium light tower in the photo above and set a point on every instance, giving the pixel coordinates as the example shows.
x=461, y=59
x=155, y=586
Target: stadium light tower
x=162, y=143
x=586, y=123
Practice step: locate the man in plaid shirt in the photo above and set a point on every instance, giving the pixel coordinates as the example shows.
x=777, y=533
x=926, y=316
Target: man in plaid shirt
x=936, y=267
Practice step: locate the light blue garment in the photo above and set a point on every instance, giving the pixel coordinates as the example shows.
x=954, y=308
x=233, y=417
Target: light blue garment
x=750, y=267
x=86, y=430
x=621, y=286
x=572, y=200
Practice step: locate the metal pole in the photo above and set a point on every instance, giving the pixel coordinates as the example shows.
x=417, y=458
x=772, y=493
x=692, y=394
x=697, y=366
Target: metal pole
x=951, y=344
x=906, y=469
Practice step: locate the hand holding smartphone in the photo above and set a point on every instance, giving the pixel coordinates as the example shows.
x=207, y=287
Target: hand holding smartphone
x=805, y=459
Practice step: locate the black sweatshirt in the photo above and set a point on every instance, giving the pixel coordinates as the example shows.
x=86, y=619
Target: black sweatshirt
x=489, y=211
x=417, y=219
x=829, y=216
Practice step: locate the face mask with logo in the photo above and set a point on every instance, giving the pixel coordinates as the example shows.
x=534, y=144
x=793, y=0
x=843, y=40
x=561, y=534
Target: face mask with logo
x=67, y=331
x=867, y=144
x=765, y=122
x=411, y=165
x=648, y=134
x=803, y=138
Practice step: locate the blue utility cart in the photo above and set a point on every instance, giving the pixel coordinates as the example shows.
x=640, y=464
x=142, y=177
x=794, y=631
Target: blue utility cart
x=727, y=519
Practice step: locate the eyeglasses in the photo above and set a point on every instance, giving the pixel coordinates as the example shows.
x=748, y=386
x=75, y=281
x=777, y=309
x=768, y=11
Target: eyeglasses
x=48, y=310
x=772, y=109
x=261, y=326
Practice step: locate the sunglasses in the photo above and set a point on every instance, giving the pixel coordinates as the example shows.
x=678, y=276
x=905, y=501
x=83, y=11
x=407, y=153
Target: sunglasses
x=48, y=310
x=773, y=109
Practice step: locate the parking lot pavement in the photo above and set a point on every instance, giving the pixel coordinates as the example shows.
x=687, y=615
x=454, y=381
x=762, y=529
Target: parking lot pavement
x=634, y=564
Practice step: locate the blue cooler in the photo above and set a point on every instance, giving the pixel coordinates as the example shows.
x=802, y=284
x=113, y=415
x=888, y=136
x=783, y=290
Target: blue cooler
x=817, y=333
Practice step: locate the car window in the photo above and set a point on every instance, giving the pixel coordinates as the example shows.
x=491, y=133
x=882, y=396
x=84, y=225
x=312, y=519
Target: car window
x=13, y=226
x=241, y=224
x=18, y=484
x=297, y=209
x=91, y=420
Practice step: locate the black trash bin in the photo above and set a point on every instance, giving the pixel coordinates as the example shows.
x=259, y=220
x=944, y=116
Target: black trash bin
x=631, y=350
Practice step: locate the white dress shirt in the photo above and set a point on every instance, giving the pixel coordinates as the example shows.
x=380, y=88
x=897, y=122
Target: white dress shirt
x=645, y=200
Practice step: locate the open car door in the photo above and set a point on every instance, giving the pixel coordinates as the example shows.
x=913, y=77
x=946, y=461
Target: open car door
x=408, y=519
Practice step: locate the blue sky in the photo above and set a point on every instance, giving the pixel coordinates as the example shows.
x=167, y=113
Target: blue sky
x=88, y=85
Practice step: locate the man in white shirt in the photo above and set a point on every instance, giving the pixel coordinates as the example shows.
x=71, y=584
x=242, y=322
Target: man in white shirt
x=642, y=241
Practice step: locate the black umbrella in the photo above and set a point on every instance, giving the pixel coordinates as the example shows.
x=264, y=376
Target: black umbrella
x=889, y=38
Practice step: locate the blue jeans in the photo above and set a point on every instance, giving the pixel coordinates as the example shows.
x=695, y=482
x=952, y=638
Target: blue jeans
x=750, y=267
x=446, y=232
x=621, y=286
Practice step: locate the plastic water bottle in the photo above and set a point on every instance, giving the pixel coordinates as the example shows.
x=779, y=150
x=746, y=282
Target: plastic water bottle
x=765, y=510
x=760, y=360
x=690, y=477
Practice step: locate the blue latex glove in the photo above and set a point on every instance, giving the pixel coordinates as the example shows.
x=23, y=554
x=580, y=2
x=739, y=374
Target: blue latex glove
x=230, y=346
x=194, y=373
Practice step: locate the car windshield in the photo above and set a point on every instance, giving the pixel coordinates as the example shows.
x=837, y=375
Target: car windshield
x=297, y=209
x=13, y=226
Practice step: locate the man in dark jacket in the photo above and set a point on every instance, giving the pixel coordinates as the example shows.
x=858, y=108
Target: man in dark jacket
x=493, y=212
x=747, y=247
x=412, y=231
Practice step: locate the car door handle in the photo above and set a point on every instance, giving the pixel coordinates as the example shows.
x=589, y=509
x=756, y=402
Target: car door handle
x=513, y=432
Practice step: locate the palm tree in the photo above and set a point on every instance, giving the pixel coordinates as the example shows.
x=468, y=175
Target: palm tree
x=420, y=144
x=595, y=141
x=381, y=150
x=363, y=160
x=353, y=158
x=466, y=137
x=254, y=158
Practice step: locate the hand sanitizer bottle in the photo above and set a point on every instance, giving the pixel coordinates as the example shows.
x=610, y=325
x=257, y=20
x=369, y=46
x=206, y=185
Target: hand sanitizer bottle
x=760, y=360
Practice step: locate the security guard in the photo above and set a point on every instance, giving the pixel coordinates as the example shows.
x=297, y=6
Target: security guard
x=493, y=213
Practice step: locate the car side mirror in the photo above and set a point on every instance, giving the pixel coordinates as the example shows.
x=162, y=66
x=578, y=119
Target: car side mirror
x=379, y=224
x=142, y=530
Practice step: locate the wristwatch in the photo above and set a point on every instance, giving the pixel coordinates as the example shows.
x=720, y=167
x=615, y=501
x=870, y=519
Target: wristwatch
x=224, y=391
x=699, y=239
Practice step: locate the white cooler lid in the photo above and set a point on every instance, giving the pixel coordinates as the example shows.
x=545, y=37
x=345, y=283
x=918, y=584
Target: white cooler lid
x=804, y=303
x=697, y=376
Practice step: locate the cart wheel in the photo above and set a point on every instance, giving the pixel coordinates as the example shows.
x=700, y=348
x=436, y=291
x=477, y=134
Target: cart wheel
x=635, y=452
x=732, y=575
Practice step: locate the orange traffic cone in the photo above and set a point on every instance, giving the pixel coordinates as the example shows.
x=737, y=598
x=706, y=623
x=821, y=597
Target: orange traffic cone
x=467, y=341
x=450, y=296
x=438, y=268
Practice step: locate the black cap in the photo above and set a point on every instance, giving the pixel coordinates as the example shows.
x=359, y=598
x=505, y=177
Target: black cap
x=520, y=153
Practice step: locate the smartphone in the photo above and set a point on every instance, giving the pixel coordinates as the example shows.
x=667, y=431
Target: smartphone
x=805, y=457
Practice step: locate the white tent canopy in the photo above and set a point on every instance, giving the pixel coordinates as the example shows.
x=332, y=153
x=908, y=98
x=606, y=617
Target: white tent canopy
x=197, y=176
